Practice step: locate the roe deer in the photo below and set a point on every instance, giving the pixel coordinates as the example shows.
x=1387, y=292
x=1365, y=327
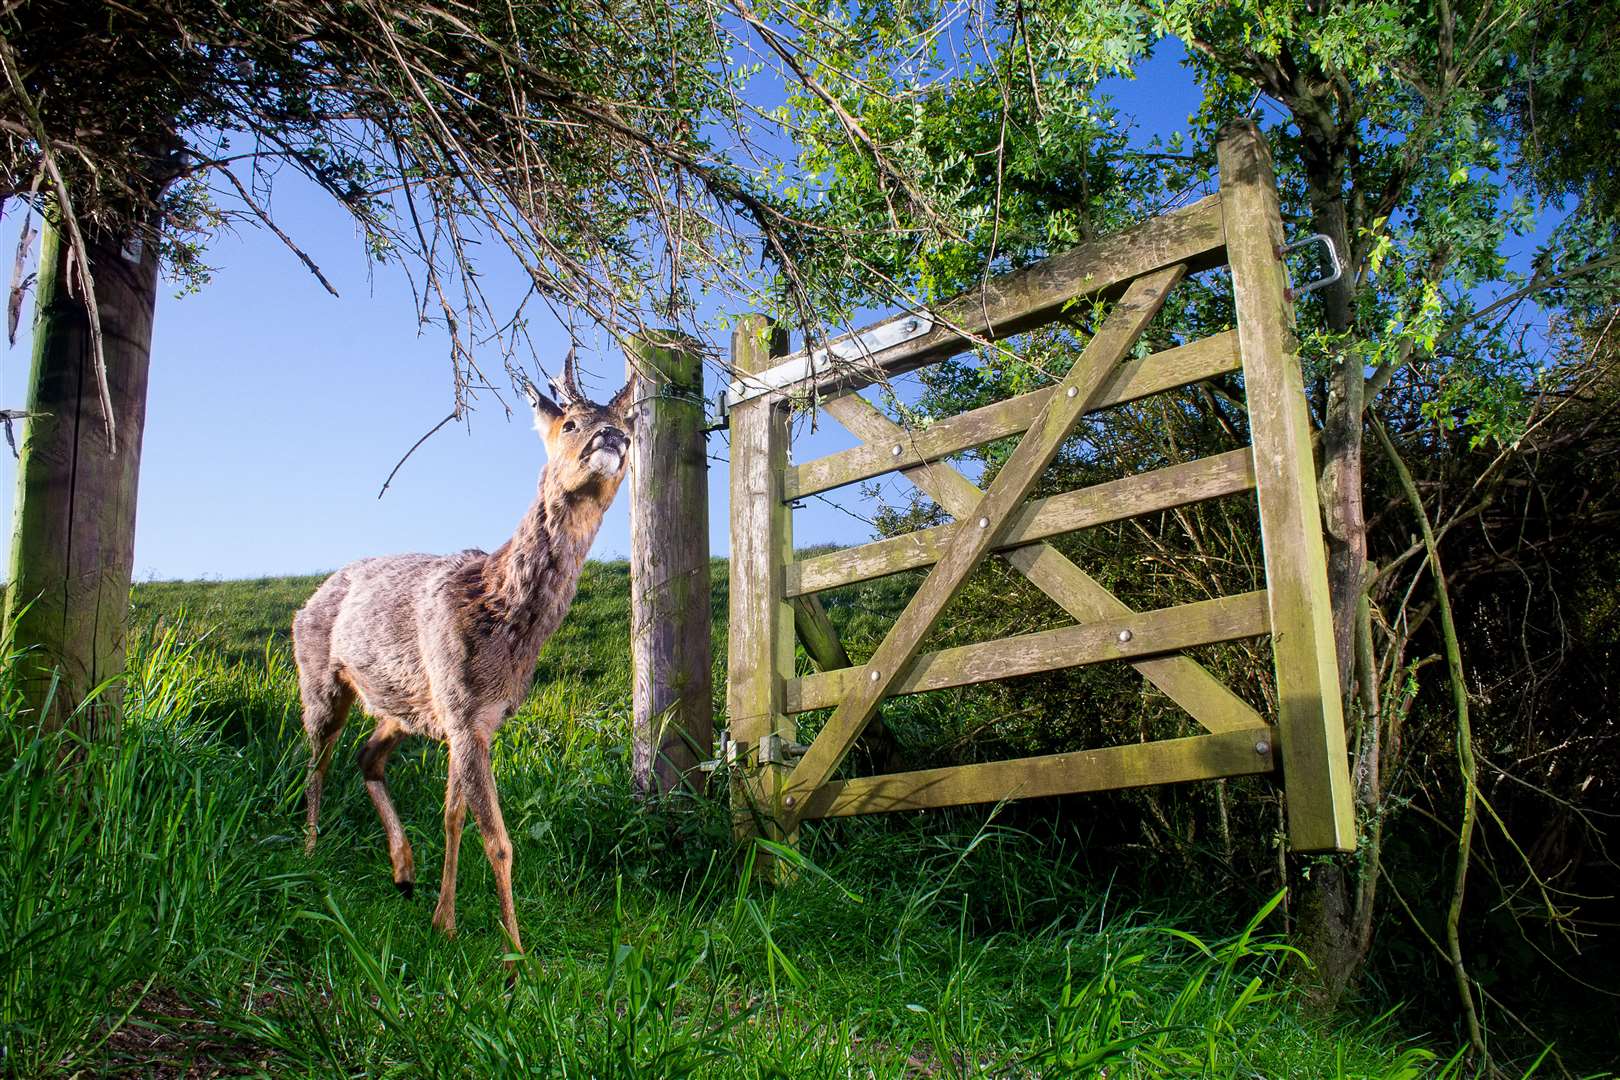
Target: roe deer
x=445, y=646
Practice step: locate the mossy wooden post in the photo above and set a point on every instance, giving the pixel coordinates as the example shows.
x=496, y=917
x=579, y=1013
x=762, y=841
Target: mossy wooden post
x=760, y=653
x=1310, y=718
x=73, y=539
x=671, y=663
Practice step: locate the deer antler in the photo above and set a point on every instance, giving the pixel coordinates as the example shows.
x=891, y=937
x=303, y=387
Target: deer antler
x=567, y=387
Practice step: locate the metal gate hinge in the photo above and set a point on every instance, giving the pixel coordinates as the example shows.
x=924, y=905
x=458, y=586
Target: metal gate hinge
x=731, y=754
x=775, y=750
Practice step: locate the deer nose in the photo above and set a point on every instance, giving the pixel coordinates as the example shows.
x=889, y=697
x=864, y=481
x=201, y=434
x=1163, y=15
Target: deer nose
x=608, y=438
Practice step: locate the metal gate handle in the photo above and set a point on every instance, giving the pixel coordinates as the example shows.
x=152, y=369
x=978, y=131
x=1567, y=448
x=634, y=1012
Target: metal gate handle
x=1293, y=291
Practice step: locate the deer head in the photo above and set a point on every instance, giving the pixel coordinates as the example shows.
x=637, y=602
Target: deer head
x=587, y=444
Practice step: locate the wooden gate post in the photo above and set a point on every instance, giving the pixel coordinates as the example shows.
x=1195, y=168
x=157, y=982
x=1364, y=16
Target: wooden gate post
x=760, y=655
x=671, y=664
x=1310, y=714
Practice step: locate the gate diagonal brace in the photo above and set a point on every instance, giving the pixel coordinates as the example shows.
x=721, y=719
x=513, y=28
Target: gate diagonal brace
x=1181, y=678
x=1071, y=399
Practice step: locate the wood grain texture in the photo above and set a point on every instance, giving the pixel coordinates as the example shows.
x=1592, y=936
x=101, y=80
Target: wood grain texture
x=671, y=667
x=1161, y=489
x=1205, y=698
x=1131, y=381
x=760, y=649
x=1168, y=630
x=1310, y=717
x=1170, y=761
x=1071, y=398
x=1013, y=302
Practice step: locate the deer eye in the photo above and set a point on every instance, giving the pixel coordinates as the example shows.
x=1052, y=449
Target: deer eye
x=569, y=425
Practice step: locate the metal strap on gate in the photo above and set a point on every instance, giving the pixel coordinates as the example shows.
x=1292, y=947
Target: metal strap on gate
x=803, y=365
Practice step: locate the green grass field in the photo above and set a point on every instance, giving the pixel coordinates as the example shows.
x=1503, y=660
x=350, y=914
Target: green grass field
x=158, y=916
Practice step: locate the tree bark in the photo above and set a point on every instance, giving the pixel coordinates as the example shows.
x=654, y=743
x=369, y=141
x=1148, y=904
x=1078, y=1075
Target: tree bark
x=73, y=541
x=1333, y=930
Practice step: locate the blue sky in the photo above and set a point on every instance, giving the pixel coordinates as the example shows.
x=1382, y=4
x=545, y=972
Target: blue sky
x=276, y=411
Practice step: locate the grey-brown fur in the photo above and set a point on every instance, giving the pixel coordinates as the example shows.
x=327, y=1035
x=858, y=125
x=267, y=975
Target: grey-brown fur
x=445, y=646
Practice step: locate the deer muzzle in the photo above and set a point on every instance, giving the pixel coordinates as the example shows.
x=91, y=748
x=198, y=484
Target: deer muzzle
x=606, y=450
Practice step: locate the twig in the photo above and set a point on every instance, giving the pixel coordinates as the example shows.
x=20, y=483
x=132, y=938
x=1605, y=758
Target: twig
x=431, y=432
x=260, y=213
x=81, y=263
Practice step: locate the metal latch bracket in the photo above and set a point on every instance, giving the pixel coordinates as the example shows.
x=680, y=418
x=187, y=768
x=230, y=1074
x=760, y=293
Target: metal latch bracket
x=1293, y=292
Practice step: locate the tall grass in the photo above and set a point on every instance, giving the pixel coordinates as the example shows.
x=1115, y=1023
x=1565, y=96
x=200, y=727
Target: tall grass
x=157, y=914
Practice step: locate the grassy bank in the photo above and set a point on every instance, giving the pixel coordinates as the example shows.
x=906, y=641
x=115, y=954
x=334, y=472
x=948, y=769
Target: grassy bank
x=157, y=914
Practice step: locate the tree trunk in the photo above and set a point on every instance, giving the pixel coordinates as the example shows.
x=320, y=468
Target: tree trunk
x=1332, y=928
x=73, y=542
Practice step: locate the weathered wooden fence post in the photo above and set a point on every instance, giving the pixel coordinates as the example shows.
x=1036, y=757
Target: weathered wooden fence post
x=669, y=566
x=73, y=541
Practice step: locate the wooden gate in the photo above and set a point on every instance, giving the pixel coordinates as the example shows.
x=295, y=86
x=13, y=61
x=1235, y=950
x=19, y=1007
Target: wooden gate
x=779, y=784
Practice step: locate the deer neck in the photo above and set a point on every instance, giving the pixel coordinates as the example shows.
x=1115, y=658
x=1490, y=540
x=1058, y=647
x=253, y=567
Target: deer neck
x=531, y=578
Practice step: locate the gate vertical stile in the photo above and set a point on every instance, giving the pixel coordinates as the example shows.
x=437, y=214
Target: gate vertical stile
x=1310, y=716
x=761, y=636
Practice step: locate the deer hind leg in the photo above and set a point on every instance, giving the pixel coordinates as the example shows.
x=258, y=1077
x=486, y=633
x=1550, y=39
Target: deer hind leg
x=479, y=784
x=455, y=814
x=326, y=709
x=373, y=760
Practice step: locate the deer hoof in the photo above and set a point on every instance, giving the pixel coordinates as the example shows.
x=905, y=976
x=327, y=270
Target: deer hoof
x=407, y=889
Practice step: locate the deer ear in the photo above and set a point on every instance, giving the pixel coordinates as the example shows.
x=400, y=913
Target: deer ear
x=624, y=399
x=546, y=411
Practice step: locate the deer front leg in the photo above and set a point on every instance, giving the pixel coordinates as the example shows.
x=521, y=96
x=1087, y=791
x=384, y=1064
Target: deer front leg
x=455, y=812
x=479, y=786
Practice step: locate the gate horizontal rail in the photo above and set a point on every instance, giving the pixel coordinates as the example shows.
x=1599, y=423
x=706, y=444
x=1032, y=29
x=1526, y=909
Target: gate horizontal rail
x=1131, y=496
x=1148, y=633
x=1136, y=379
x=1193, y=237
x=1168, y=761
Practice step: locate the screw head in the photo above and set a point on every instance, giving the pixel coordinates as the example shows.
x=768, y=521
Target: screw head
x=1262, y=747
x=911, y=326
x=874, y=676
x=984, y=523
x=1124, y=636
x=789, y=801
x=1073, y=391
x=895, y=450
